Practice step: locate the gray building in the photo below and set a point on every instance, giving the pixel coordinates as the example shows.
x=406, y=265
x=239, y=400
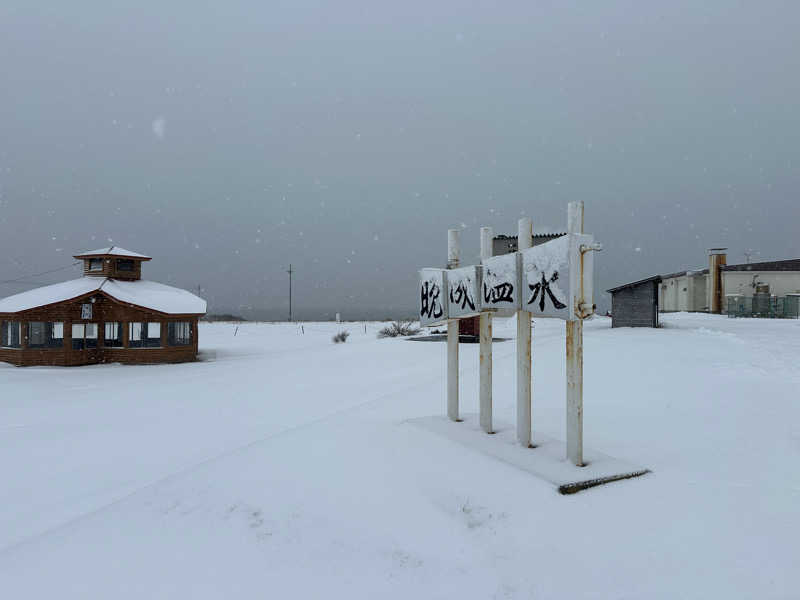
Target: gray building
x=763, y=289
x=506, y=244
x=635, y=304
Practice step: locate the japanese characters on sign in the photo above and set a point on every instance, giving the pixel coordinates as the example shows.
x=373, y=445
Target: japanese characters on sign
x=551, y=277
x=432, y=297
x=500, y=286
x=544, y=280
x=464, y=292
x=86, y=311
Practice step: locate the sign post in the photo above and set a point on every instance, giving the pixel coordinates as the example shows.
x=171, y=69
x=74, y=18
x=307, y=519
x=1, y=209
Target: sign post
x=453, y=256
x=575, y=358
x=550, y=280
x=485, y=335
x=524, y=423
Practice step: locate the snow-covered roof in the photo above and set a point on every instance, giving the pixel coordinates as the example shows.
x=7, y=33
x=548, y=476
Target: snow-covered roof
x=112, y=251
x=145, y=294
x=155, y=296
x=50, y=294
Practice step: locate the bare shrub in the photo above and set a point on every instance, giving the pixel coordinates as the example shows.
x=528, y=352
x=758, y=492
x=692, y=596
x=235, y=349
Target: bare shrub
x=398, y=329
x=341, y=337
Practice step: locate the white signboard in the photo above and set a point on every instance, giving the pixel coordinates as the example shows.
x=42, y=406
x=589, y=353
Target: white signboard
x=463, y=292
x=500, y=286
x=86, y=311
x=432, y=297
x=551, y=277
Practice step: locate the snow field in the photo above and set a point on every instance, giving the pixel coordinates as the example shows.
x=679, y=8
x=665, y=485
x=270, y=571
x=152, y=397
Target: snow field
x=283, y=467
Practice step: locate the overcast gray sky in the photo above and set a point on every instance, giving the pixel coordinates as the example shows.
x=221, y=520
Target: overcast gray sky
x=346, y=137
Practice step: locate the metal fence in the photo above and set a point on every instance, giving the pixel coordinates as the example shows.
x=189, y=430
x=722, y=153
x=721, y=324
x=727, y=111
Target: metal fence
x=764, y=307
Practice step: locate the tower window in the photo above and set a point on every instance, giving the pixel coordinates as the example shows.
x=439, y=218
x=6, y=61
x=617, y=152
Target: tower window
x=95, y=264
x=124, y=264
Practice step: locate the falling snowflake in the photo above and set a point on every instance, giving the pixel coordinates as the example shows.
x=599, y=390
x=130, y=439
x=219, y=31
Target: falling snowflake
x=160, y=127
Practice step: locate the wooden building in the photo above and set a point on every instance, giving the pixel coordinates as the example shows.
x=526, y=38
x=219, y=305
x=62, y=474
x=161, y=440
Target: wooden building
x=108, y=315
x=635, y=304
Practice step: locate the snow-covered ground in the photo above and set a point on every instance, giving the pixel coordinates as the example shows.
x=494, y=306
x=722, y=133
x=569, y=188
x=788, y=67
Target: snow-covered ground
x=282, y=467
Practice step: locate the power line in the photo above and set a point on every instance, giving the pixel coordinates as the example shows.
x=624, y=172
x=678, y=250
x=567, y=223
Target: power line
x=19, y=279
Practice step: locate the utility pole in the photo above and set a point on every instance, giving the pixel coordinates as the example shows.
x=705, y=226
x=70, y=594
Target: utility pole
x=290, y=271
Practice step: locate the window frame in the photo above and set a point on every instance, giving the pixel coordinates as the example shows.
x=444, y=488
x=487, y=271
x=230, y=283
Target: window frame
x=117, y=339
x=174, y=339
x=127, y=262
x=93, y=261
x=78, y=338
x=144, y=341
x=50, y=339
x=85, y=341
x=5, y=335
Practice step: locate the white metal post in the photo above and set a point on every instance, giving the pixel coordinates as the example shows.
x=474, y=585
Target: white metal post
x=453, y=255
x=524, y=241
x=485, y=335
x=575, y=359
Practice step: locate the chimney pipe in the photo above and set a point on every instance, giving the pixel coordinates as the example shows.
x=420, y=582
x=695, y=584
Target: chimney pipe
x=716, y=258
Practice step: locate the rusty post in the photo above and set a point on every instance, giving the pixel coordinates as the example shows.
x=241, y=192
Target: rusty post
x=453, y=256
x=574, y=334
x=485, y=337
x=524, y=423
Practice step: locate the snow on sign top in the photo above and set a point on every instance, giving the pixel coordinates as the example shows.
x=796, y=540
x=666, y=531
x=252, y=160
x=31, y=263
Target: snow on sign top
x=113, y=251
x=146, y=294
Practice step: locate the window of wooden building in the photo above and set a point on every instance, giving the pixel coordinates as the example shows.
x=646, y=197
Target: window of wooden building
x=144, y=335
x=125, y=264
x=44, y=334
x=10, y=334
x=113, y=335
x=84, y=335
x=95, y=264
x=179, y=334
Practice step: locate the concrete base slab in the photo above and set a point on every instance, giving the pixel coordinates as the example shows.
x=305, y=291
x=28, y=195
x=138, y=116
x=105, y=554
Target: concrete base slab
x=547, y=460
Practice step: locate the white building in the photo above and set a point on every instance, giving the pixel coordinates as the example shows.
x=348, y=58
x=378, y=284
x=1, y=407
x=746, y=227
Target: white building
x=684, y=291
x=693, y=291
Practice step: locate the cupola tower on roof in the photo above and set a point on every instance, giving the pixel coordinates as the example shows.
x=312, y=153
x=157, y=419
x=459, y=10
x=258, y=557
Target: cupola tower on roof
x=113, y=262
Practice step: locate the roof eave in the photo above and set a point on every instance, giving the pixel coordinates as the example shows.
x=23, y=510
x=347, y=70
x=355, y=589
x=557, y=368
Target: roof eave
x=655, y=279
x=121, y=256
